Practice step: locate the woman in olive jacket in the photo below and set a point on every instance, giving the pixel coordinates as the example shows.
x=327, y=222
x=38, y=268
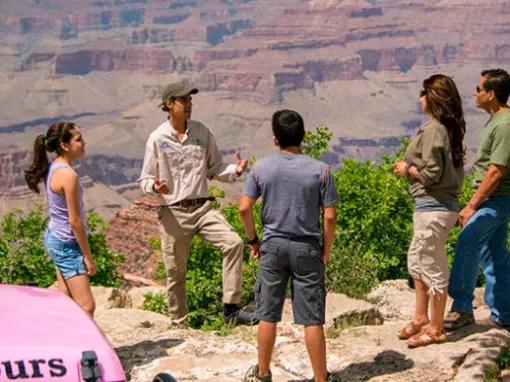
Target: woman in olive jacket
x=433, y=166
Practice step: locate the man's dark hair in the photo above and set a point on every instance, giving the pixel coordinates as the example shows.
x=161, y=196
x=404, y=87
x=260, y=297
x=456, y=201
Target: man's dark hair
x=497, y=81
x=288, y=128
x=165, y=108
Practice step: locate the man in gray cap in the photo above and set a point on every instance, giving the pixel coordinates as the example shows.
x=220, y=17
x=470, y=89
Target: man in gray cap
x=180, y=156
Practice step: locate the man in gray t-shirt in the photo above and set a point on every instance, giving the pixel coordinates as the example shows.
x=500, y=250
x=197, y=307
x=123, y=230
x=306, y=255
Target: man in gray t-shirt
x=294, y=188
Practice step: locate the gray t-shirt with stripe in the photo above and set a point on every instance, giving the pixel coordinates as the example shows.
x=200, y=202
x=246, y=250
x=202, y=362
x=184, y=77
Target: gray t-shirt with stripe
x=293, y=188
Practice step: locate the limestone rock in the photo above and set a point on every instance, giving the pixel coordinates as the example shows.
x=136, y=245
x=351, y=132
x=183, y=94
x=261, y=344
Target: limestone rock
x=109, y=298
x=479, y=357
x=137, y=294
x=343, y=311
x=147, y=343
x=395, y=300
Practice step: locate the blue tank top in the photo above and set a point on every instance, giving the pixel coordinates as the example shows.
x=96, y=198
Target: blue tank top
x=57, y=208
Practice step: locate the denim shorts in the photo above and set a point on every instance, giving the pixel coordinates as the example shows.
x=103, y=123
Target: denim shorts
x=300, y=261
x=66, y=255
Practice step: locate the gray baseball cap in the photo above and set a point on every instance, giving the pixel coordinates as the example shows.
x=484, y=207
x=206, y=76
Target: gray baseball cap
x=176, y=89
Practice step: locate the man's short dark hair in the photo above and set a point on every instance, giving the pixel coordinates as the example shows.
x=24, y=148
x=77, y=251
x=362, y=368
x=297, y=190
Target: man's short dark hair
x=164, y=107
x=288, y=128
x=498, y=81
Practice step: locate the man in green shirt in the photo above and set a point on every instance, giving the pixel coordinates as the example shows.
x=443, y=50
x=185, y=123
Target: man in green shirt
x=483, y=240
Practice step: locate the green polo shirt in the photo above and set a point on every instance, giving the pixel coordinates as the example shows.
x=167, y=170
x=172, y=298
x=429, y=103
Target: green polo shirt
x=494, y=148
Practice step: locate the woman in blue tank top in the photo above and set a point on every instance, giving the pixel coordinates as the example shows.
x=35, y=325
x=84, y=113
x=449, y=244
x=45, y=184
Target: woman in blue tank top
x=66, y=237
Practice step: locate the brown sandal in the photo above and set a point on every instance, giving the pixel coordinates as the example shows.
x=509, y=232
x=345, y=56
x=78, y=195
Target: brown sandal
x=410, y=330
x=427, y=337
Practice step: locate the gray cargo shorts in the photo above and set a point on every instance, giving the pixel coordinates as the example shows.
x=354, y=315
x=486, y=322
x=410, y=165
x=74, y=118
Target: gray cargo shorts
x=299, y=260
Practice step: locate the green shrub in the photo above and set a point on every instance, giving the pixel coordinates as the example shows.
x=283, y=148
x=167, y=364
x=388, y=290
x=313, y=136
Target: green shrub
x=155, y=302
x=492, y=373
x=503, y=359
x=22, y=255
x=23, y=259
x=107, y=261
x=316, y=144
x=160, y=273
x=351, y=272
x=204, y=283
x=375, y=212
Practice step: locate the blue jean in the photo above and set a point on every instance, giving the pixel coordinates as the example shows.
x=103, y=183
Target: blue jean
x=483, y=242
x=66, y=255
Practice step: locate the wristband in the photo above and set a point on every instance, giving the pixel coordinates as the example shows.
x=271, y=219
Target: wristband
x=253, y=241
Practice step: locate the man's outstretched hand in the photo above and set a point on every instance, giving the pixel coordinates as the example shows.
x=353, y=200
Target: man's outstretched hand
x=241, y=164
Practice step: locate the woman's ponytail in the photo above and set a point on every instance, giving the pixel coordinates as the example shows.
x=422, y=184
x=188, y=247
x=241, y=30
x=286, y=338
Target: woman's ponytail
x=39, y=168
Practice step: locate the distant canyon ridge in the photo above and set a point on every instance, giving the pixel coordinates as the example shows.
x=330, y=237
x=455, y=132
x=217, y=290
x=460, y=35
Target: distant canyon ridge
x=355, y=66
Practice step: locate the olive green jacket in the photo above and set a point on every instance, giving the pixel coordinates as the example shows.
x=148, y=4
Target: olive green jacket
x=430, y=152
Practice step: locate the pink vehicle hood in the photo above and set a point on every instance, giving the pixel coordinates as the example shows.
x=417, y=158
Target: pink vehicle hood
x=43, y=334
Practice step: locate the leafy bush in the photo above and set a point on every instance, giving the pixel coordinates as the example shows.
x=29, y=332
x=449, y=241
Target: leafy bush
x=492, y=372
x=503, y=359
x=351, y=272
x=316, y=144
x=160, y=273
x=107, y=261
x=203, y=283
x=22, y=255
x=23, y=259
x=374, y=215
x=155, y=302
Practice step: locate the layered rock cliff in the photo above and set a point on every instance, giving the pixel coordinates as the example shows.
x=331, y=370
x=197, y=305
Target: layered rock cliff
x=354, y=65
x=130, y=234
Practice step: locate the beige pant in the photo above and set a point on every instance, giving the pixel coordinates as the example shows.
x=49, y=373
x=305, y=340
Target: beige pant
x=426, y=259
x=178, y=225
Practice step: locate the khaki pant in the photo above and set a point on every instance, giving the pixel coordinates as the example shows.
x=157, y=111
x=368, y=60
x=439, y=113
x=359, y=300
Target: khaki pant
x=426, y=258
x=178, y=225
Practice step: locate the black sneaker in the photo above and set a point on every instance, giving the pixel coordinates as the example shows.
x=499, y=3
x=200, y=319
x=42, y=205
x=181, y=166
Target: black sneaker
x=241, y=317
x=456, y=320
x=252, y=376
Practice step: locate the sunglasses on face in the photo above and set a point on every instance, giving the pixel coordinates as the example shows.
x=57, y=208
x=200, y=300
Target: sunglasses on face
x=423, y=93
x=479, y=89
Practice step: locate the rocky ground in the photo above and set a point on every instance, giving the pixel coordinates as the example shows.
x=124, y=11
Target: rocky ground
x=361, y=339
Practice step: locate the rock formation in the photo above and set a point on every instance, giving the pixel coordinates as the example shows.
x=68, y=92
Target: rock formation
x=130, y=233
x=355, y=66
x=361, y=339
